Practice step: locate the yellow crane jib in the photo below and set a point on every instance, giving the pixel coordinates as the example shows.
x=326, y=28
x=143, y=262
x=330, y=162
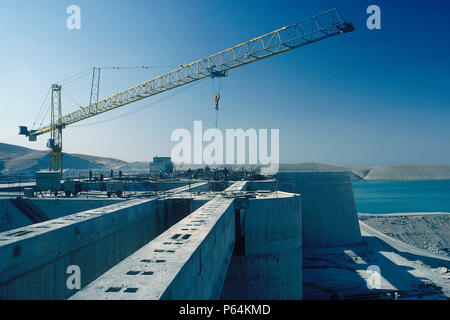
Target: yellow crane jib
x=316, y=28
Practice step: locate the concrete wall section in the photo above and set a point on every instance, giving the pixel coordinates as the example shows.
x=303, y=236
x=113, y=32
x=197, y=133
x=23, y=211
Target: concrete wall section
x=188, y=261
x=34, y=259
x=12, y=217
x=267, y=259
x=237, y=186
x=194, y=187
x=138, y=186
x=328, y=207
x=262, y=185
x=199, y=200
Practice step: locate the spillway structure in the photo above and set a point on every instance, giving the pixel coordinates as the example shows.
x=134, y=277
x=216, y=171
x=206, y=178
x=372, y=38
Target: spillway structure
x=206, y=240
x=197, y=240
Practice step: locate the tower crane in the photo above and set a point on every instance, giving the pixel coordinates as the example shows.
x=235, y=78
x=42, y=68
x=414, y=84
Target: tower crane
x=316, y=28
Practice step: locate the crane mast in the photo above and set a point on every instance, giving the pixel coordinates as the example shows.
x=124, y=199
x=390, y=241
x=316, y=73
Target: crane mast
x=55, y=142
x=316, y=28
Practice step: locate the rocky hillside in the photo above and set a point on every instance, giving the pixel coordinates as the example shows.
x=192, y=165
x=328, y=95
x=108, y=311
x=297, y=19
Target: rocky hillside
x=14, y=159
x=392, y=172
x=409, y=172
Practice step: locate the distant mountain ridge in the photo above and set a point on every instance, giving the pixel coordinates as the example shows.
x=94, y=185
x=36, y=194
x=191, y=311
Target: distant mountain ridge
x=15, y=159
x=410, y=172
x=404, y=172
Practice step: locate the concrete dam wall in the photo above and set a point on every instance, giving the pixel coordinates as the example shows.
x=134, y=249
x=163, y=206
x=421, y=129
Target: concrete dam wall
x=329, y=217
x=36, y=257
x=191, y=243
x=233, y=247
x=17, y=213
x=188, y=261
x=267, y=257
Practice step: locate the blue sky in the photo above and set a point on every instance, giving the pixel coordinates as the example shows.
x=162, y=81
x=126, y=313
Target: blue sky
x=370, y=97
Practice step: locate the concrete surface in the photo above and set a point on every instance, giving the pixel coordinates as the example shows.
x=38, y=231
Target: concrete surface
x=188, y=261
x=328, y=207
x=34, y=259
x=267, y=259
x=429, y=230
x=406, y=272
x=12, y=217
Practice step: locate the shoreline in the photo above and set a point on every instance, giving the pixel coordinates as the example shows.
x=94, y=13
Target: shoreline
x=365, y=214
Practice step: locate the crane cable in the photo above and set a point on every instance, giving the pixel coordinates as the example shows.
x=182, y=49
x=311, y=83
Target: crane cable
x=70, y=97
x=139, y=109
x=45, y=115
x=87, y=72
x=40, y=109
x=81, y=75
x=138, y=67
x=75, y=77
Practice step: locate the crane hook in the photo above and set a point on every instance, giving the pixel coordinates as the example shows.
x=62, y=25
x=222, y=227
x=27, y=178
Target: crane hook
x=216, y=100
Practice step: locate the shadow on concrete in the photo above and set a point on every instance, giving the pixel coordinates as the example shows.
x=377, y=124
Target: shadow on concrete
x=334, y=273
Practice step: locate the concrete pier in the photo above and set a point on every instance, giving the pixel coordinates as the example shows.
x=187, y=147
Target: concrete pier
x=176, y=245
x=34, y=259
x=192, y=259
x=20, y=212
x=267, y=258
x=17, y=213
x=329, y=216
x=188, y=261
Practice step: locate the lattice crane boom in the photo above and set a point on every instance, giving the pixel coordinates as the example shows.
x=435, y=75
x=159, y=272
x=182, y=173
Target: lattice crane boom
x=319, y=27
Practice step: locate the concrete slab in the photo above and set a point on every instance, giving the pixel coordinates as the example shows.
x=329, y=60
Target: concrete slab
x=188, y=261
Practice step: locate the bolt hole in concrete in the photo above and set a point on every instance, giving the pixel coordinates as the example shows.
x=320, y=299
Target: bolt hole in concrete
x=147, y=273
x=175, y=236
x=186, y=236
x=131, y=290
x=18, y=234
x=160, y=261
x=113, y=289
x=146, y=260
x=133, y=273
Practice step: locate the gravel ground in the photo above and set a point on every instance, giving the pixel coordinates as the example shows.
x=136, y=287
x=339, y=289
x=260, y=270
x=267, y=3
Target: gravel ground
x=427, y=231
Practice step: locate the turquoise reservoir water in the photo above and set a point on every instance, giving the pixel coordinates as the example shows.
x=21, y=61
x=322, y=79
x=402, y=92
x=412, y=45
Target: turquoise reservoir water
x=402, y=196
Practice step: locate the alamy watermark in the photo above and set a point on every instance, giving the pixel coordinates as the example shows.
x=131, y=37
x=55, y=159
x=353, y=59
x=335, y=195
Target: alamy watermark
x=374, y=20
x=74, y=20
x=74, y=280
x=230, y=150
